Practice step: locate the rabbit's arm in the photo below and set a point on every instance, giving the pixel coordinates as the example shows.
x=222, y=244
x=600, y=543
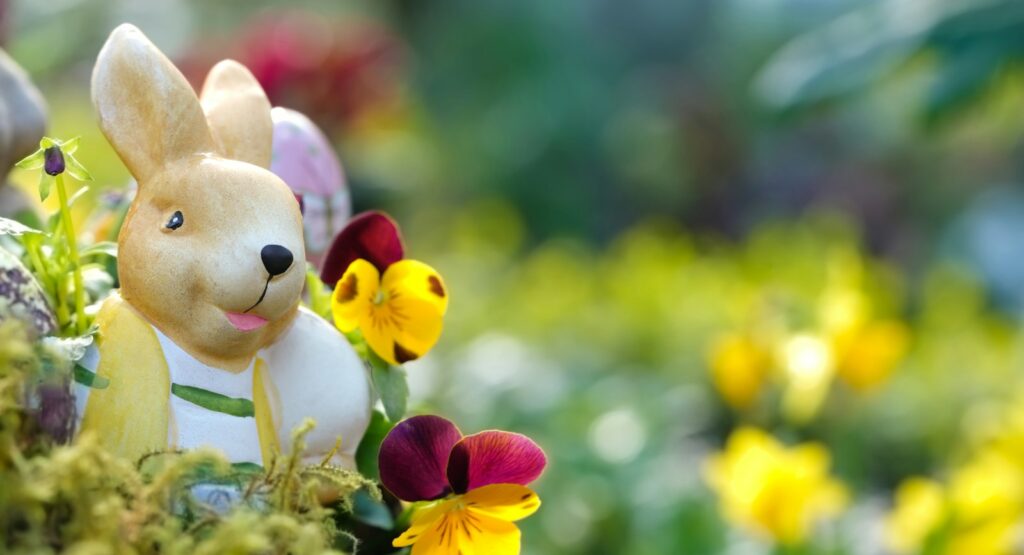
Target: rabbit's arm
x=130, y=415
x=315, y=373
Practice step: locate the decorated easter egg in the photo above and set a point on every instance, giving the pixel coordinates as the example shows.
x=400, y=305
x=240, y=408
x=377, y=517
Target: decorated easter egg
x=21, y=297
x=304, y=159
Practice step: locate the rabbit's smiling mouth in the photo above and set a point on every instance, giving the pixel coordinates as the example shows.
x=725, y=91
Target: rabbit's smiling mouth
x=277, y=260
x=245, y=322
x=262, y=295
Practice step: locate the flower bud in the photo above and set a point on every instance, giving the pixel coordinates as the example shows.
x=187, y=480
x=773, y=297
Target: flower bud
x=53, y=161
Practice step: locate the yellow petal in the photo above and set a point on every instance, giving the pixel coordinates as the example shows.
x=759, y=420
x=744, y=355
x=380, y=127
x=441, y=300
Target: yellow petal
x=408, y=321
x=422, y=519
x=508, y=502
x=379, y=331
x=482, y=535
x=440, y=537
x=417, y=334
x=463, y=532
x=353, y=295
x=418, y=280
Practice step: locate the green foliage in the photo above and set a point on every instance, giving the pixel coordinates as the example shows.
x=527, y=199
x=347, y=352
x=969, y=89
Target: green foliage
x=391, y=384
x=971, y=43
x=54, y=256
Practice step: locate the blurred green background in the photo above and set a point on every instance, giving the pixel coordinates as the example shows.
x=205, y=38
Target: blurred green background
x=615, y=190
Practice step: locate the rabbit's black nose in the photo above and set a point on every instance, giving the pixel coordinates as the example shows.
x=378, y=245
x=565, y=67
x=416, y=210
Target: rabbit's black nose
x=276, y=259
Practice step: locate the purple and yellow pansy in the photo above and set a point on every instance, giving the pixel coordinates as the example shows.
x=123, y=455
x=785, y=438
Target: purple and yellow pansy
x=397, y=304
x=474, y=486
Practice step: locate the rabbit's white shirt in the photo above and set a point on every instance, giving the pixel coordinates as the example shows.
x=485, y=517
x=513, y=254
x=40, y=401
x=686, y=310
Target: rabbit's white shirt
x=309, y=374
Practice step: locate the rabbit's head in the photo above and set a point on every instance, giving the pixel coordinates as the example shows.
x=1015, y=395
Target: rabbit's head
x=211, y=251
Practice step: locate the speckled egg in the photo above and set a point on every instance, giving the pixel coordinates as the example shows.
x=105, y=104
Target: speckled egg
x=21, y=296
x=305, y=160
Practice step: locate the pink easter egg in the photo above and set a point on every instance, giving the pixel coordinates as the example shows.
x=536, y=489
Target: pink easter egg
x=304, y=159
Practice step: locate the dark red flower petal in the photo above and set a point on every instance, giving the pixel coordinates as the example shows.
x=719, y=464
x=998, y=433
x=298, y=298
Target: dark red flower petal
x=413, y=457
x=494, y=457
x=372, y=236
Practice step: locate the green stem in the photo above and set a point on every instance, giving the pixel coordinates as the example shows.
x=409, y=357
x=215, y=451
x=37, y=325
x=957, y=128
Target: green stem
x=62, y=304
x=36, y=260
x=69, y=231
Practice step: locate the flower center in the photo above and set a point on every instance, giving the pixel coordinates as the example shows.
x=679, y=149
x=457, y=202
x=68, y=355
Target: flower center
x=380, y=297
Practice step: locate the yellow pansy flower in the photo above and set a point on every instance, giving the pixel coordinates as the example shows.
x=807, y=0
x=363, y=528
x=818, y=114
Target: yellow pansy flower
x=773, y=490
x=397, y=304
x=475, y=486
x=400, y=313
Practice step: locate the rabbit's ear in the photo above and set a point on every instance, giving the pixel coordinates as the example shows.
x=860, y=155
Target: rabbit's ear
x=147, y=109
x=239, y=113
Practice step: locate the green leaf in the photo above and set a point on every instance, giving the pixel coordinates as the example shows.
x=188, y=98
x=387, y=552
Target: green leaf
x=33, y=161
x=15, y=228
x=214, y=401
x=70, y=146
x=78, y=194
x=392, y=386
x=366, y=454
x=966, y=73
x=108, y=248
x=319, y=294
x=45, y=182
x=371, y=512
x=89, y=378
x=75, y=169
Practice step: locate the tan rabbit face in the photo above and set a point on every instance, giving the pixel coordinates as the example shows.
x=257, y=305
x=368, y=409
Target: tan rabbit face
x=193, y=257
x=211, y=251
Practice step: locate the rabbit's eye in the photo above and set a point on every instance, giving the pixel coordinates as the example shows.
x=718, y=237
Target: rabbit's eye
x=176, y=221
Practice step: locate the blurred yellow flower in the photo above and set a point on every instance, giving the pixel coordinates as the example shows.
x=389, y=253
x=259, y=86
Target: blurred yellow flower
x=400, y=313
x=809, y=366
x=866, y=355
x=986, y=497
x=920, y=507
x=774, y=490
x=866, y=349
x=846, y=341
x=740, y=367
x=979, y=512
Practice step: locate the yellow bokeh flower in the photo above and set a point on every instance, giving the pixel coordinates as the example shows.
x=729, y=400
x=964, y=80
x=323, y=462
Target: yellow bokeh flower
x=867, y=354
x=920, y=508
x=740, y=366
x=809, y=366
x=773, y=490
x=400, y=313
x=979, y=511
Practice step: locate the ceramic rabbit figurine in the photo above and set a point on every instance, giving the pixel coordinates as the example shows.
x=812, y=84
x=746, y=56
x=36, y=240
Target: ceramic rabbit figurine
x=22, y=122
x=205, y=344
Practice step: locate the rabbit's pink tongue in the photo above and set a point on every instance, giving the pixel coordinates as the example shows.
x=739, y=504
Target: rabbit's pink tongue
x=245, y=322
